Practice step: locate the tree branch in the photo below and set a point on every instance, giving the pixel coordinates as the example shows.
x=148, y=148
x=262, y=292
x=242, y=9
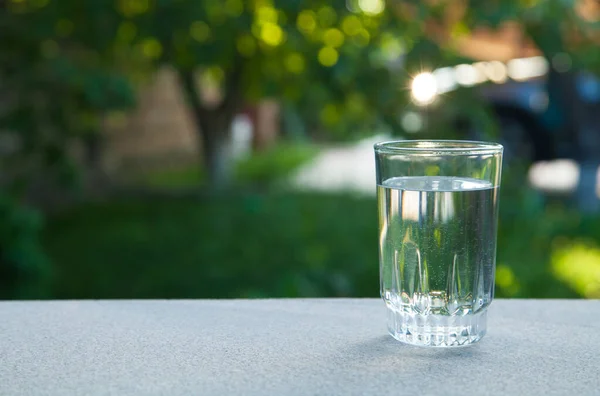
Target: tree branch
x=232, y=96
x=188, y=84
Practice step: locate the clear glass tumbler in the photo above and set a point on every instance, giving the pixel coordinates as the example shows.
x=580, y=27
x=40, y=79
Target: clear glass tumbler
x=438, y=213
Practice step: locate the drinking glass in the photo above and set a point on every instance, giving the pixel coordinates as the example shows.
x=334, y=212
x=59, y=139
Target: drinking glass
x=438, y=213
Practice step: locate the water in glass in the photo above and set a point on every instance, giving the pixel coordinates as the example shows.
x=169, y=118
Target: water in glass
x=437, y=257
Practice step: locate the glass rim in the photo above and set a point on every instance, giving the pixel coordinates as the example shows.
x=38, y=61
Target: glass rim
x=439, y=147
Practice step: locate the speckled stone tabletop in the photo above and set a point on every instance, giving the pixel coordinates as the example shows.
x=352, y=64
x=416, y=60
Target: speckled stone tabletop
x=288, y=347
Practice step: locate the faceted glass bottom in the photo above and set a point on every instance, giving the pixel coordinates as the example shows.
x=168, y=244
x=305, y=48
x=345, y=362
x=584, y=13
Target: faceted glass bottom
x=437, y=330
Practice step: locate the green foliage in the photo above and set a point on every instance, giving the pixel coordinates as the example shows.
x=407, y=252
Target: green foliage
x=345, y=70
x=180, y=177
x=24, y=269
x=293, y=244
x=524, y=247
x=59, y=74
x=65, y=64
x=263, y=168
x=274, y=163
x=236, y=246
x=578, y=264
x=274, y=245
x=344, y=65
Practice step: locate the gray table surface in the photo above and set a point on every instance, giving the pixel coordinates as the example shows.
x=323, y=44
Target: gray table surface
x=288, y=347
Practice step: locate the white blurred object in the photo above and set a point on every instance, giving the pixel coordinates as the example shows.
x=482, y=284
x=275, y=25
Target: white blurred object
x=481, y=69
x=521, y=69
x=371, y=7
x=497, y=72
x=412, y=122
x=466, y=75
x=555, y=176
x=241, y=136
x=445, y=79
x=344, y=168
x=424, y=88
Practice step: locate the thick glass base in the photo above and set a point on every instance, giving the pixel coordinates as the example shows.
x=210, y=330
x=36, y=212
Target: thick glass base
x=437, y=330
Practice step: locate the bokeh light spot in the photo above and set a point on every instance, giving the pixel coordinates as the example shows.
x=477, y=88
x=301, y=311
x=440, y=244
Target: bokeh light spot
x=504, y=276
x=412, y=122
x=391, y=47
x=326, y=16
x=235, y=8
x=351, y=25
x=266, y=14
x=151, y=48
x=522, y=69
x=130, y=8
x=445, y=79
x=371, y=7
x=200, y=31
x=330, y=115
x=333, y=38
x=328, y=56
x=213, y=76
x=362, y=38
x=497, y=72
x=271, y=34
x=578, y=265
x=466, y=75
x=295, y=63
x=560, y=175
x=506, y=280
x=530, y=3
x=127, y=31
x=307, y=21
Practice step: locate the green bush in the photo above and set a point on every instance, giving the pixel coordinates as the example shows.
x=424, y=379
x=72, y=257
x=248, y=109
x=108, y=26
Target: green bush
x=263, y=168
x=273, y=245
x=278, y=245
x=24, y=269
x=274, y=164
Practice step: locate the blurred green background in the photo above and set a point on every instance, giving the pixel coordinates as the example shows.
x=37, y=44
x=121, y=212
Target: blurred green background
x=223, y=148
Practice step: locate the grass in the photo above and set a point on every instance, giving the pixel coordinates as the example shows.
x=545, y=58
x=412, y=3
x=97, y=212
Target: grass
x=236, y=246
x=271, y=245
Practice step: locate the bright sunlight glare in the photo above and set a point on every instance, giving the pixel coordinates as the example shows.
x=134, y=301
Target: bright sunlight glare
x=424, y=88
x=371, y=7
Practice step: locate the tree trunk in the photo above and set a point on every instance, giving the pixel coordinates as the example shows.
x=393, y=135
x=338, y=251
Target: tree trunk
x=96, y=177
x=213, y=128
x=93, y=145
x=216, y=152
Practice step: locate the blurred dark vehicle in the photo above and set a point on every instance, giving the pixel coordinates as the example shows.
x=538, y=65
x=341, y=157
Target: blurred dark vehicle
x=542, y=113
x=556, y=116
